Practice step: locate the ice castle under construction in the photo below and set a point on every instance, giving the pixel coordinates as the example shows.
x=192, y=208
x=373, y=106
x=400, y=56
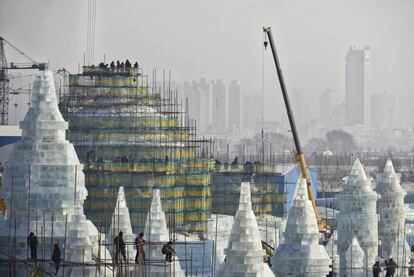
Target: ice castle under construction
x=128, y=135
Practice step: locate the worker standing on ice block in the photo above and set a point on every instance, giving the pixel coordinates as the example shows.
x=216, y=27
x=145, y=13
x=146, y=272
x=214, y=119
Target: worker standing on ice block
x=120, y=247
x=32, y=242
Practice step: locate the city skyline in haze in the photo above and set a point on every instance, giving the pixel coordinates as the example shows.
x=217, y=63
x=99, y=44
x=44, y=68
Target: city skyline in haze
x=217, y=39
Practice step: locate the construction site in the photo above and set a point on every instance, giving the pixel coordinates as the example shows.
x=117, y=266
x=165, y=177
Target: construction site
x=108, y=176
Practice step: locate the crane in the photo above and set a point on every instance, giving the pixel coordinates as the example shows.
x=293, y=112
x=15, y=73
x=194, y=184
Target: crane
x=300, y=157
x=4, y=77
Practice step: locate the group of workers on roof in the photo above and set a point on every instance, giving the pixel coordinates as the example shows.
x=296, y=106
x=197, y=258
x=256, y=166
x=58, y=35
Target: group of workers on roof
x=112, y=65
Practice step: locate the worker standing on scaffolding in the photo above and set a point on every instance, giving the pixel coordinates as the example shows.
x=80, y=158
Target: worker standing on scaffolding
x=120, y=246
x=139, y=243
x=32, y=243
x=56, y=257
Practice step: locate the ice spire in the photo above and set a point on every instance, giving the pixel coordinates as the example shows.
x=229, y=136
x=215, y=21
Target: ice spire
x=47, y=181
x=357, y=217
x=301, y=254
x=244, y=253
x=79, y=246
x=122, y=222
x=156, y=231
x=355, y=259
x=390, y=207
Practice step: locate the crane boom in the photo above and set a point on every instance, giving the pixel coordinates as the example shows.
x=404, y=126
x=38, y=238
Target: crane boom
x=299, y=153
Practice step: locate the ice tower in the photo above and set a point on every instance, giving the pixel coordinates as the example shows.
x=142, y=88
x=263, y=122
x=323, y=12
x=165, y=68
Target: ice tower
x=156, y=231
x=244, y=253
x=355, y=259
x=357, y=217
x=122, y=222
x=390, y=207
x=43, y=182
x=301, y=254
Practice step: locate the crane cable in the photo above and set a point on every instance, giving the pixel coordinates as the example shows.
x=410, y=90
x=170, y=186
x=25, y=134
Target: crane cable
x=262, y=104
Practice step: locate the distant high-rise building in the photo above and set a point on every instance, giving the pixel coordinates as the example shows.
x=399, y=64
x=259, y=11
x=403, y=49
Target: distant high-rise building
x=326, y=107
x=234, y=106
x=219, y=106
x=357, y=86
x=382, y=110
x=205, y=104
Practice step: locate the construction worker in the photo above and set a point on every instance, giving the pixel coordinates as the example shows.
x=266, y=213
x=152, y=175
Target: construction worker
x=391, y=265
x=118, y=64
x=120, y=246
x=56, y=257
x=139, y=244
x=136, y=65
x=112, y=65
x=376, y=269
x=168, y=251
x=32, y=243
x=127, y=64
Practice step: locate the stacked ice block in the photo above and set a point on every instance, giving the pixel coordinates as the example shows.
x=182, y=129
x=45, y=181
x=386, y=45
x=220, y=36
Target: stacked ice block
x=121, y=222
x=391, y=209
x=244, y=253
x=355, y=259
x=44, y=184
x=357, y=217
x=157, y=233
x=301, y=254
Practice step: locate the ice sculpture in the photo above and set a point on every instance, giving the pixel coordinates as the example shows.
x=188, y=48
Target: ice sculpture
x=391, y=209
x=79, y=246
x=156, y=231
x=357, y=217
x=401, y=254
x=355, y=259
x=244, y=253
x=43, y=183
x=301, y=254
x=122, y=222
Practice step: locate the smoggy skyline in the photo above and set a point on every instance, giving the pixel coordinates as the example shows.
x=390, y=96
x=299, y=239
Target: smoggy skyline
x=223, y=39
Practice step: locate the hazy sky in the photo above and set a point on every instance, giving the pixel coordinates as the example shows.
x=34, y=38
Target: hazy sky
x=223, y=38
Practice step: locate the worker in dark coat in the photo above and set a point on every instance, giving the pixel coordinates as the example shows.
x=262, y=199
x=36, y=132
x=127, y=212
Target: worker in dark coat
x=120, y=246
x=32, y=242
x=391, y=265
x=168, y=251
x=136, y=65
x=56, y=257
x=376, y=269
